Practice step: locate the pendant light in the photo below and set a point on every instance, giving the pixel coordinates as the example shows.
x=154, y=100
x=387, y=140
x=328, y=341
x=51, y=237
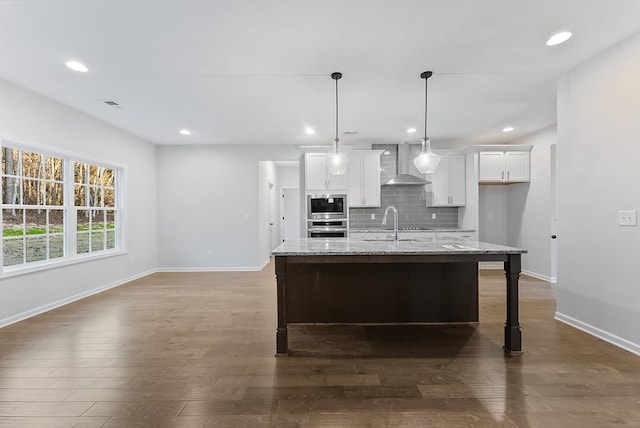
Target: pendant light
x=427, y=161
x=338, y=161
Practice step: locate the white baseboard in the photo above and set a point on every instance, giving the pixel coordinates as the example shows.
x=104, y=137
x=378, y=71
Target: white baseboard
x=217, y=269
x=45, y=308
x=600, y=334
x=550, y=279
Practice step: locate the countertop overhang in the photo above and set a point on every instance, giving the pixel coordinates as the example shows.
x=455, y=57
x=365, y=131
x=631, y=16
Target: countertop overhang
x=418, y=246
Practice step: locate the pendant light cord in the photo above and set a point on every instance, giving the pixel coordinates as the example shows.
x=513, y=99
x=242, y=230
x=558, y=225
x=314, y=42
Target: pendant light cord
x=336, y=110
x=426, y=105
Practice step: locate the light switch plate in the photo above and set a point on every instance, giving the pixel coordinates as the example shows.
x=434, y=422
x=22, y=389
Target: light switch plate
x=627, y=218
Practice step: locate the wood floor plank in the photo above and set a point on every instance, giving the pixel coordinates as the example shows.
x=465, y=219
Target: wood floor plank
x=19, y=408
x=52, y=422
x=196, y=350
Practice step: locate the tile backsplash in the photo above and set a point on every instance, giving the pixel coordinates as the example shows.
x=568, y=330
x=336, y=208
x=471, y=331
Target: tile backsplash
x=410, y=201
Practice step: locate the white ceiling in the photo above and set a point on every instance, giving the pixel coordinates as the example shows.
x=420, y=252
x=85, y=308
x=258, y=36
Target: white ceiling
x=257, y=71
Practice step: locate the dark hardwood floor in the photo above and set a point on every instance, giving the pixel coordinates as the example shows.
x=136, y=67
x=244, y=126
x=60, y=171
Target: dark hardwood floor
x=197, y=349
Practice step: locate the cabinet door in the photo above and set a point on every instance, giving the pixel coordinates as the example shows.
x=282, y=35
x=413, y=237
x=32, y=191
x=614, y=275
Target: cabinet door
x=315, y=171
x=457, y=180
x=517, y=166
x=371, y=180
x=355, y=194
x=440, y=183
x=492, y=166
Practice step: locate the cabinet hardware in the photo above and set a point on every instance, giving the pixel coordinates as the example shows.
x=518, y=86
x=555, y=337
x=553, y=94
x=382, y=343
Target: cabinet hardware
x=507, y=175
x=503, y=175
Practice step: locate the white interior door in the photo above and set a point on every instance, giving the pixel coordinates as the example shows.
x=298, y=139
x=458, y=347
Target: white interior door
x=290, y=213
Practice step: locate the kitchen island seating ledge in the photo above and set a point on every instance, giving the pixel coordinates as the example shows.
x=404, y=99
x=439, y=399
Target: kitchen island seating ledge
x=344, y=280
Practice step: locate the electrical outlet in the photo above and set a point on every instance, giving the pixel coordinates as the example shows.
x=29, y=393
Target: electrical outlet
x=131, y=260
x=246, y=217
x=433, y=216
x=627, y=218
x=373, y=216
x=209, y=253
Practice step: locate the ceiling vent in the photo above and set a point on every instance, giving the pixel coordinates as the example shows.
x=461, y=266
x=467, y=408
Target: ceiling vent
x=113, y=104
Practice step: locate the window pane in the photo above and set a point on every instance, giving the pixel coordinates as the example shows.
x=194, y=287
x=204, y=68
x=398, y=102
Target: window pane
x=97, y=220
x=33, y=192
x=82, y=220
x=111, y=239
x=95, y=196
x=56, y=246
x=79, y=196
x=109, y=178
x=36, y=248
x=56, y=221
x=97, y=240
x=12, y=223
x=9, y=161
x=11, y=190
x=109, y=198
x=78, y=172
x=54, y=193
x=13, y=251
x=36, y=222
x=93, y=174
x=53, y=167
x=32, y=165
x=82, y=242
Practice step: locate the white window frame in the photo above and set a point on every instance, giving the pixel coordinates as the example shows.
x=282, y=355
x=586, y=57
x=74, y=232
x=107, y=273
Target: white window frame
x=70, y=213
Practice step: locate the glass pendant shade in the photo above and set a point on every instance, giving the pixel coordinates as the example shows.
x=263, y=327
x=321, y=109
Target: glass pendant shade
x=427, y=161
x=338, y=161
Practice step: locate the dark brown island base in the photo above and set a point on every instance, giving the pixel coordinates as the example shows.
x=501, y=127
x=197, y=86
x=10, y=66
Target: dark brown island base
x=343, y=280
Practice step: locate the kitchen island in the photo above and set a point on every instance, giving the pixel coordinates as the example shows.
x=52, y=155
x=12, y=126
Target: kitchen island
x=380, y=281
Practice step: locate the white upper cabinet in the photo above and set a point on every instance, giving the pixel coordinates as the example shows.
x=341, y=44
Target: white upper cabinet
x=317, y=175
x=449, y=182
x=364, y=178
x=504, y=166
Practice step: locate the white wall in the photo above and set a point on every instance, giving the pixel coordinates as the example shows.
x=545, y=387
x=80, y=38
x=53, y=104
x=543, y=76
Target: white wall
x=493, y=214
x=28, y=118
x=289, y=177
x=598, y=156
x=209, y=201
x=529, y=208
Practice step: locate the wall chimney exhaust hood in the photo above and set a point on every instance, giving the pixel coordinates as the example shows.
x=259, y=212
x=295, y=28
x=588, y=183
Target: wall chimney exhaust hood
x=403, y=163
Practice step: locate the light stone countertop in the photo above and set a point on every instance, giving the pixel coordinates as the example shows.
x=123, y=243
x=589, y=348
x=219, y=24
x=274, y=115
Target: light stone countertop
x=411, y=246
x=409, y=230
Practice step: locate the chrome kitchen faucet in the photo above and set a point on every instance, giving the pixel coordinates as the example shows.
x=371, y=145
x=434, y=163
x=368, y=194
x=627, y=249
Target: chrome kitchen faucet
x=395, y=220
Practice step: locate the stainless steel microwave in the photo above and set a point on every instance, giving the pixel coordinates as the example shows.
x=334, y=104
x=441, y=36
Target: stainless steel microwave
x=327, y=206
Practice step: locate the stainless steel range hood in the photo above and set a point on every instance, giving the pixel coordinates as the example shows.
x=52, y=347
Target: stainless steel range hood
x=403, y=159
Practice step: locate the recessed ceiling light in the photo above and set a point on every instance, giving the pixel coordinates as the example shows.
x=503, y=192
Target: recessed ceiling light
x=411, y=130
x=185, y=132
x=508, y=129
x=310, y=130
x=561, y=37
x=77, y=66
